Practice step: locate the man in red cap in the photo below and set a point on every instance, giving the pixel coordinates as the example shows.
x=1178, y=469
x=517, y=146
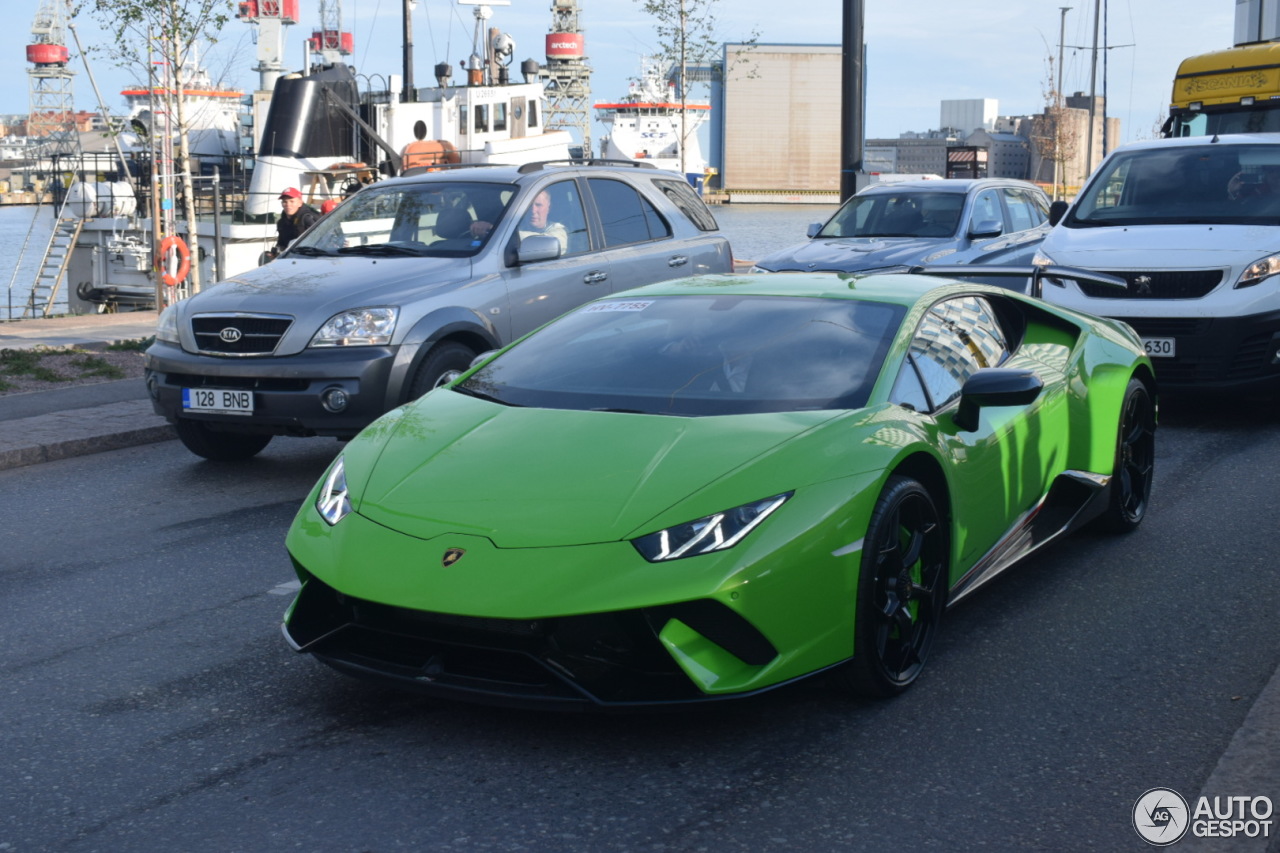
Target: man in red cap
x=295, y=218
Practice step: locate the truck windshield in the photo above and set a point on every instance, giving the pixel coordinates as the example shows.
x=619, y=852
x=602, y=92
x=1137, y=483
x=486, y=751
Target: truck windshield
x=436, y=219
x=1213, y=183
x=1255, y=119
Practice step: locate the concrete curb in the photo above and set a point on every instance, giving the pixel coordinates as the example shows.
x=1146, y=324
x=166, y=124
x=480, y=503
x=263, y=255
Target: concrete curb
x=78, y=432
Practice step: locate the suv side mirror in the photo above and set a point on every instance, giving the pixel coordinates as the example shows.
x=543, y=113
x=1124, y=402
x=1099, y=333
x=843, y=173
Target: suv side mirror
x=537, y=247
x=986, y=228
x=813, y=229
x=1056, y=211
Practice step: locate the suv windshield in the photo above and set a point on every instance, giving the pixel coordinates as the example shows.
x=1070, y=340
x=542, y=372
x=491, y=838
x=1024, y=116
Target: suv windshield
x=697, y=355
x=1214, y=184
x=904, y=214
x=436, y=219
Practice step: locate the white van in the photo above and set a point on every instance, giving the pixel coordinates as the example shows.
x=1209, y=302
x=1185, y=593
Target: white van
x=1193, y=226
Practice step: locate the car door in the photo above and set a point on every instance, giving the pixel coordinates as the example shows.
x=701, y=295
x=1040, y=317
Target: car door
x=998, y=471
x=542, y=290
x=637, y=238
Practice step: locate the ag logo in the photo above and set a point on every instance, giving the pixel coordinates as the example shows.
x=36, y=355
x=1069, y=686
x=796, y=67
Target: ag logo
x=1160, y=816
x=451, y=556
x=230, y=334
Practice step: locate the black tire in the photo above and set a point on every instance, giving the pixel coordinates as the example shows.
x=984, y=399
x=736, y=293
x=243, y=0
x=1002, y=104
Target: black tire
x=902, y=591
x=218, y=446
x=1130, y=491
x=442, y=365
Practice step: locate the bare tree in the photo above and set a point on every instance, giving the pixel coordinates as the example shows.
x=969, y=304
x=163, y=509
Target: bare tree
x=1056, y=133
x=688, y=36
x=167, y=33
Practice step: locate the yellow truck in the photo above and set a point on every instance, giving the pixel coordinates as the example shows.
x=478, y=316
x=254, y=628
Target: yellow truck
x=1236, y=90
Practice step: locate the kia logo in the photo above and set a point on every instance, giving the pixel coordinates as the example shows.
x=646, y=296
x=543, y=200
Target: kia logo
x=230, y=335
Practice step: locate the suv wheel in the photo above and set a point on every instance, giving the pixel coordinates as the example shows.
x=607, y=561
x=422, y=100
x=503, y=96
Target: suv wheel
x=219, y=446
x=443, y=364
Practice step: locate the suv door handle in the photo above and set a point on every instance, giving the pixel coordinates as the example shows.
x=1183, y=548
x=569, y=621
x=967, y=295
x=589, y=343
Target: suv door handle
x=595, y=277
x=677, y=261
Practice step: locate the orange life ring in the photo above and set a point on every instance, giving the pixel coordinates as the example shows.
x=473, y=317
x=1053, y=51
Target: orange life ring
x=173, y=241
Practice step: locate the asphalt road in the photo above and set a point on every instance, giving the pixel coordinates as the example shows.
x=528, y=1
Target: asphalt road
x=150, y=703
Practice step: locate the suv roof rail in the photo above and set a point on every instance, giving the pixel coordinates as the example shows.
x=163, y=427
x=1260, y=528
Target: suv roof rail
x=583, y=161
x=442, y=167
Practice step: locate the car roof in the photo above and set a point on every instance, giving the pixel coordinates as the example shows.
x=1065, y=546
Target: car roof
x=945, y=185
x=899, y=288
x=1185, y=141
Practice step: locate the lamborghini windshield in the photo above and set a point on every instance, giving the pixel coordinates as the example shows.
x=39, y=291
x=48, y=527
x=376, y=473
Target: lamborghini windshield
x=415, y=219
x=697, y=355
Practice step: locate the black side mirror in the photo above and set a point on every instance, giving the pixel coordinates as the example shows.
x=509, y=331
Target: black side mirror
x=1056, y=211
x=995, y=386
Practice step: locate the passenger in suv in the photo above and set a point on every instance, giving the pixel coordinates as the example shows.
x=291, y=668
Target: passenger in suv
x=399, y=289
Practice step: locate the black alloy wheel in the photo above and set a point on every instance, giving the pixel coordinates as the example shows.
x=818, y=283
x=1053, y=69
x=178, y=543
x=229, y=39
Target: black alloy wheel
x=1135, y=460
x=902, y=590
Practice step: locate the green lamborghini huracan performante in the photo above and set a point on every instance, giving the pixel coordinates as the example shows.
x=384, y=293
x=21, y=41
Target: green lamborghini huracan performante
x=709, y=488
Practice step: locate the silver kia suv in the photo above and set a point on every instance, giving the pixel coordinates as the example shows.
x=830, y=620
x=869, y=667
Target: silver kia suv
x=400, y=287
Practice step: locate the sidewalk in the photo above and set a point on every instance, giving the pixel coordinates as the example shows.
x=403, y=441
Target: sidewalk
x=46, y=425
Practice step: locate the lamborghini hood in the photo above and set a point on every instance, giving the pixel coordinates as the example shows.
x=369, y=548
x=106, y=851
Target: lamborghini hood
x=529, y=478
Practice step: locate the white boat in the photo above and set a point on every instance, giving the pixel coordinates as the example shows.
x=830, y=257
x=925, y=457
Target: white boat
x=320, y=132
x=649, y=122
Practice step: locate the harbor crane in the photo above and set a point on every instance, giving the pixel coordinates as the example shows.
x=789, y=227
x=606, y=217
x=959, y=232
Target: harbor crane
x=52, y=113
x=567, y=76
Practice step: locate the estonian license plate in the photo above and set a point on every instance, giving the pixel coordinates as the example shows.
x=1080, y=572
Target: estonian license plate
x=1159, y=347
x=217, y=400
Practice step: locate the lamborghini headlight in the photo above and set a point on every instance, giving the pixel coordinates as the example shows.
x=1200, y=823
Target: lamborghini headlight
x=1258, y=270
x=358, y=327
x=712, y=533
x=333, y=503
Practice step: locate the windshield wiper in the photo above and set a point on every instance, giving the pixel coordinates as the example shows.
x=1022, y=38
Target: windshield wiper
x=1096, y=223
x=310, y=251
x=380, y=249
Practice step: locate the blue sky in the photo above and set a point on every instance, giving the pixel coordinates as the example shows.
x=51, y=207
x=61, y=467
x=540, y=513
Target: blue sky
x=918, y=52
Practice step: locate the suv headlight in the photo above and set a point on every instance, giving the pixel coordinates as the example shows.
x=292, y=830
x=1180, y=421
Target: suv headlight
x=713, y=533
x=359, y=327
x=167, y=325
x=1258, y=270
x=1041, y=259
x=334, y=501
